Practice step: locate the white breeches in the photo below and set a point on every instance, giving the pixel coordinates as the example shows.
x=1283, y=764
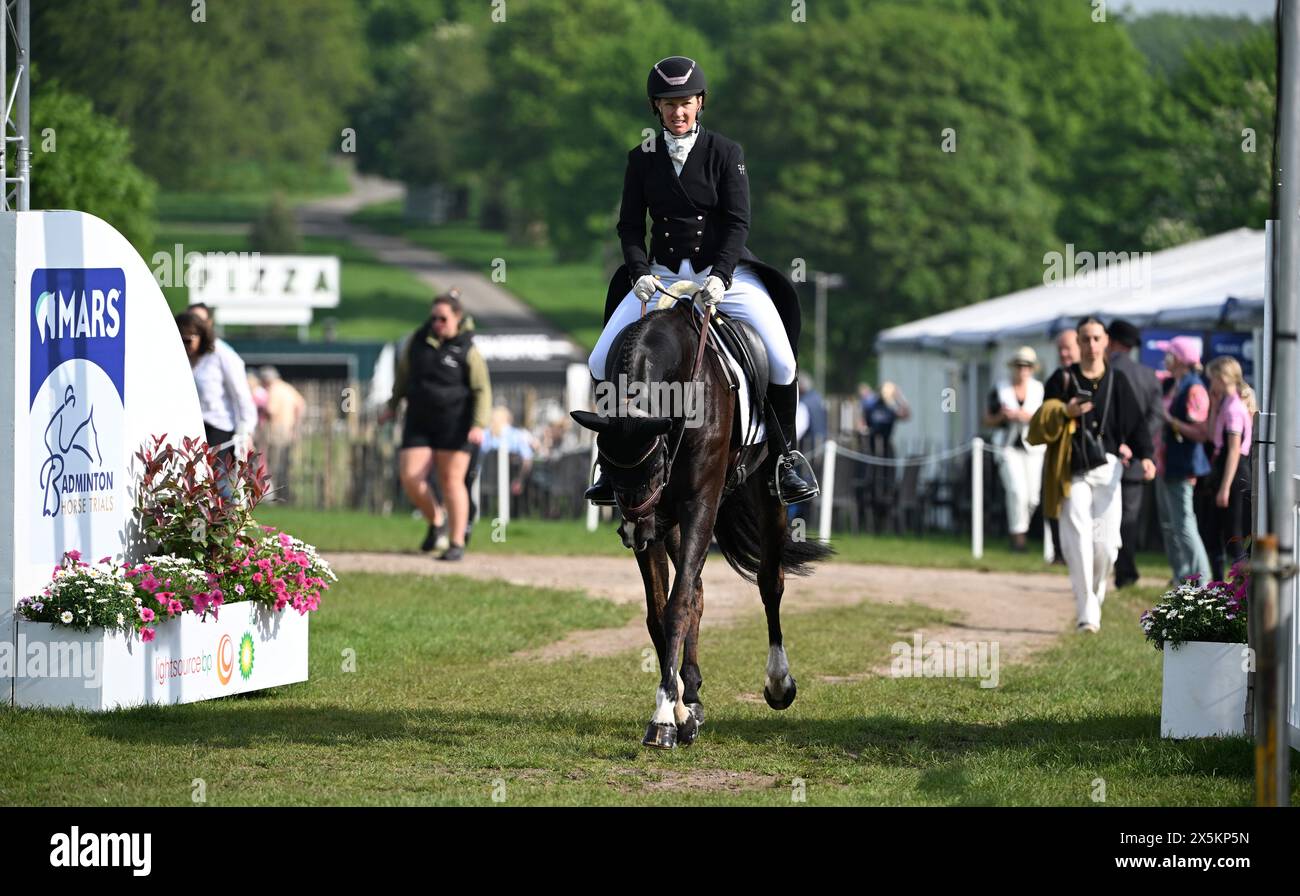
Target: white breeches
x=1022, y=481
x=746, y=300
x=1090, y=519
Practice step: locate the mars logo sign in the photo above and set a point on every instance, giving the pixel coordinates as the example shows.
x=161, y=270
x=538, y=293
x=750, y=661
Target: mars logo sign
x=76, y=401
x=225, y=659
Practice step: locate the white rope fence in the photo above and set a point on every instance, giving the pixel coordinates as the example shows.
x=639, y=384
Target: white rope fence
x=831, y=451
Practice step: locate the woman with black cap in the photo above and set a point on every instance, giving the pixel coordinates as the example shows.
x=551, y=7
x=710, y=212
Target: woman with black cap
x=693, y=183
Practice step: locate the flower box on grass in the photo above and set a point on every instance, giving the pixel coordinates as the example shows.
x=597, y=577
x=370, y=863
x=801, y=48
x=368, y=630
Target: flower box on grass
x=1204, y=691
x=249, y=647
x=1201, y=629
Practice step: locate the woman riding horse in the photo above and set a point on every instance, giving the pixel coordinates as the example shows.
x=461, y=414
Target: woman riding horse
x=693, y=183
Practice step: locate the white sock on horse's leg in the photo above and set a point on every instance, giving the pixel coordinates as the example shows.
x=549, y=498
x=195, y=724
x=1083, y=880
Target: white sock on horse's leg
x=680, y=711
x=778, y=671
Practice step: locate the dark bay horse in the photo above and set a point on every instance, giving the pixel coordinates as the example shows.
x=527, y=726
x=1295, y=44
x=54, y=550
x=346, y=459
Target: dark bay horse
x=669, y=473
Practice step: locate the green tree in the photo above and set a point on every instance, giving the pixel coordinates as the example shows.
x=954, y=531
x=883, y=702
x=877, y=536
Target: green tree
x=1166, y=37
x=253, y=84
x=82, y=160
x=844, y=124
x=1216, y=116
x=568, y=101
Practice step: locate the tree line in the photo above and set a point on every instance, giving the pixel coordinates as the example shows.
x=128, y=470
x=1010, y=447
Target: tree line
x=931, y=151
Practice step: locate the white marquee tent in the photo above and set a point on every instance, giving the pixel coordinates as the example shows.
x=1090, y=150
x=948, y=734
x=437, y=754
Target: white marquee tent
x=1211, y=284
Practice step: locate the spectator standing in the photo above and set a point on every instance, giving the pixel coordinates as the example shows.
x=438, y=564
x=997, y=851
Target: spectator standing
x=285, y=409
x=1110, y=433
x=1011, y=406
x=880, y=413
x=1224, y=509
x=518, y=443
x=1181, y=459
x=1124, y=337
x=229, y=415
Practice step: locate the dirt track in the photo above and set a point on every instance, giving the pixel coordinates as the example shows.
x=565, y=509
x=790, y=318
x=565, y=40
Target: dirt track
x=1022, y=611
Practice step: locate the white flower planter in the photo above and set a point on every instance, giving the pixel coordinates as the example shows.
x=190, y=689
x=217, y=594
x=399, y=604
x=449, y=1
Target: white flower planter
x=1204, y=691
x=248, y=648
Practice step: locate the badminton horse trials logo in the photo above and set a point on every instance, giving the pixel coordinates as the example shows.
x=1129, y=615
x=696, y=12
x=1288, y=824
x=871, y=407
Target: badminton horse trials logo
x=65, y=433
x=77, y=404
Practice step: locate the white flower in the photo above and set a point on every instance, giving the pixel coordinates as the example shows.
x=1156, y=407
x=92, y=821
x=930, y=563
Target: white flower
x=65, y=617
x=120, y=619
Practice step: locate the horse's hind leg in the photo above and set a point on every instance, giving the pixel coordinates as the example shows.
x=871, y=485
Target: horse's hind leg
x=779, y=688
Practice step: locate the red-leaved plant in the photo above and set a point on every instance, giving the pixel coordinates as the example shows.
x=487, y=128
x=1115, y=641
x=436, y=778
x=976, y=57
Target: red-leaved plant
x=191, y=504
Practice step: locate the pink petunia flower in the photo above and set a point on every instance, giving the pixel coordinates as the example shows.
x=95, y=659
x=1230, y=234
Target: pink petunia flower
x=146, y=634
x=146, y=614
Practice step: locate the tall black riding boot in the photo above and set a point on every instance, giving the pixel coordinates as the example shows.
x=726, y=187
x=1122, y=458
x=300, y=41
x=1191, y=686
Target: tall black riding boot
x=601, y=492
x=794, y=485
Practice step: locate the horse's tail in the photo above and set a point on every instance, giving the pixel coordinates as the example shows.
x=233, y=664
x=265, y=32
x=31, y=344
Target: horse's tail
x=741, y=542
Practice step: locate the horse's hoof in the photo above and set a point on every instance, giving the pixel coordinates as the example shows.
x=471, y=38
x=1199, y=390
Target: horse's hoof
x=660, y=736
x=687, y=731
x=785, y=702
x=697, y=712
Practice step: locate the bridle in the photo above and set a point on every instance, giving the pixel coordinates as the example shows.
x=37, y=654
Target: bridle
x=638, y=513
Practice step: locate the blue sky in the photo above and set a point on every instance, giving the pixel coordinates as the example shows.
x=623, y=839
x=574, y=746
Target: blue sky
x=1256, y=9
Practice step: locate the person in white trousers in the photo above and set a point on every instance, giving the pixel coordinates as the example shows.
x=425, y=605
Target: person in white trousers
x=1103, y=403
x=1011, y=406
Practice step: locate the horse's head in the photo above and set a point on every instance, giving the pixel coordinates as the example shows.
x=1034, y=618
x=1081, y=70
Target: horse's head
x=634, y=455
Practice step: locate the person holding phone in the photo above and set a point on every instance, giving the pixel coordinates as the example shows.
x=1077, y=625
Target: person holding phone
x=1110, y=433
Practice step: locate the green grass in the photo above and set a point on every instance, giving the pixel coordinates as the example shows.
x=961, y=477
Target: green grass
x=437, y=712
x=377, y=301
x=347, y=530
x=241, y=205
x=571, y=295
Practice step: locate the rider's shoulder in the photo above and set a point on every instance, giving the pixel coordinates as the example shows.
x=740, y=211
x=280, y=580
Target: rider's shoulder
x=724, y=145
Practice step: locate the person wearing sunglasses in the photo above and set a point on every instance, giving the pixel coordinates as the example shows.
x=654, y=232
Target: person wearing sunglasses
x=444, y=381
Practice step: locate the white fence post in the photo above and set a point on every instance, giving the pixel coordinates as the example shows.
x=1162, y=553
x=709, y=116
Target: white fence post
x=503, y=483
x=827, y=506
x=593, y=512
x=977, y=497
x=476, y=490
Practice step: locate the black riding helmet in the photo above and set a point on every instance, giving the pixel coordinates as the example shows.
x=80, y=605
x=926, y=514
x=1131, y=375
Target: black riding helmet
x=672, y=77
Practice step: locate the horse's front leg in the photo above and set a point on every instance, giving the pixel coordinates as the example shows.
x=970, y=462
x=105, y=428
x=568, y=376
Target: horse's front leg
x=680, y=616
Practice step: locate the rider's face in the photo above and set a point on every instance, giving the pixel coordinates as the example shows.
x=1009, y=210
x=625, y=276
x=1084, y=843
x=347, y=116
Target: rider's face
x=678, y=113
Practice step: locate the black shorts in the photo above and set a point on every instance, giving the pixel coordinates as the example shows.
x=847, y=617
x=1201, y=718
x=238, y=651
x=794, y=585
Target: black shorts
x=439, y=438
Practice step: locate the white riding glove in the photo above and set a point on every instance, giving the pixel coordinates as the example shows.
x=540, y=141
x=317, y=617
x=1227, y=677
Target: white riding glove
x=645, y=287
x=714, y=290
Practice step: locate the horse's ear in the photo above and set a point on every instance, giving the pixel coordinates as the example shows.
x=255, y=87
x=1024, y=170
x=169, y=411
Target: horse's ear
x=592, y=421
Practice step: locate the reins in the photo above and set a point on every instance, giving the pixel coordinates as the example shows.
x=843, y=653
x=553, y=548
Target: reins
x=645, y=508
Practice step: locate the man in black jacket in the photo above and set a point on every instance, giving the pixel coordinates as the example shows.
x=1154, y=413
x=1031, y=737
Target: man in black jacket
x=1111, y=434
x=694, y=185
x=1124, y=337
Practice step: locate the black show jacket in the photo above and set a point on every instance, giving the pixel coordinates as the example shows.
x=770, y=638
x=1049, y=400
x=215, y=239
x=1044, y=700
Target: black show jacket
x=702, y=214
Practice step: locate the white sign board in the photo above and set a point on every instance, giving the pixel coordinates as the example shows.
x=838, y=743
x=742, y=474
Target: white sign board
x=91, y=367
x=251, y=288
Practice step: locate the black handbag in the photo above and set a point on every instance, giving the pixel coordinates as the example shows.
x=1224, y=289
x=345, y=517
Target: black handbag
x=1088, y=451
